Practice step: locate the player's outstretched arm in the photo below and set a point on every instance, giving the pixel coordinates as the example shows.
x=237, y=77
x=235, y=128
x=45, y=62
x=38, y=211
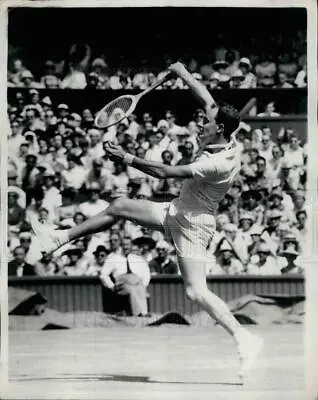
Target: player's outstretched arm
x=153, y=168
x=197, y=88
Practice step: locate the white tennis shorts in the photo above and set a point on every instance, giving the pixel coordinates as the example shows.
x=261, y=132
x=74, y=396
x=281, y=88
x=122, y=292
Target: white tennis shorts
x=190, y=231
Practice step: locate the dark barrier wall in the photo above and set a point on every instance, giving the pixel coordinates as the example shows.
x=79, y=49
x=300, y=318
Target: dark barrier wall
x=166, y=291
x=182, y=102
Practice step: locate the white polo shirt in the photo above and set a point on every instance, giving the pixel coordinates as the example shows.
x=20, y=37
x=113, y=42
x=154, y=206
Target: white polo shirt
x=213, y=175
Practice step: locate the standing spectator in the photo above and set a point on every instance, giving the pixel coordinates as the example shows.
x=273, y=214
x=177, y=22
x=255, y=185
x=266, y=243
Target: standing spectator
x=128, y=275
x=263, y=263
x=94, y=204
x=162, y=264
x=249, y=79
x=18, y=266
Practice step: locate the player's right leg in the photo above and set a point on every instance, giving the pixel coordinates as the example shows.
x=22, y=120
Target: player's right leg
x=193, y=273
x=143, y=212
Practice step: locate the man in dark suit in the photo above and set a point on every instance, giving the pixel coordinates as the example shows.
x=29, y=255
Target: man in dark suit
x=18, y=266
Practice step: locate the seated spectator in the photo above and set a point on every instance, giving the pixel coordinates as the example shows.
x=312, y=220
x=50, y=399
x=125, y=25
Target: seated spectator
x=29, y=175
x=271, y=232
x=99, y=175
x=94, y=204
x=252, y=204
x=52, y=197
x=237, y=79
x=287, y=65
x=265, y=71
x=249, y=79
x=14, y=73
x=74, y=176
x=229, y=206
x=246, y=221
x=128, y=274
x=283, y=81
x=221, y=220
x=237, y=242
x=263, y=263
x=275, y=162
x=146, y=245
x=46, y=266
x=16, y=213
x=87, y=119
x=269, y=111
x=18, y=266
x=262, y=173
x=256, y=238
x=96, y=266
x=162, y=263
x=301, y=78
x=44, y=156
x=96, y=147
x=15, y=138
x=233, y=64
x=214, y=81
x=155, y=150
x=49, y=79
x=227, y=261
x=301, y=228
x=27, y=80
x=221, y=67
x=299, y=201
x=74, y=123
x=266, y=145
x=294, y=153
x=187, y=153
x=275, y=202
x=28, y=242
x=71, y=265
x=289, y=263
x=66, y=211
x=75, y=76
x=120, y=178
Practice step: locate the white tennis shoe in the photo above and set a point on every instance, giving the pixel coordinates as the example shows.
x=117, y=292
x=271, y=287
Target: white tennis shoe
x=47, y=237
x=249, y=348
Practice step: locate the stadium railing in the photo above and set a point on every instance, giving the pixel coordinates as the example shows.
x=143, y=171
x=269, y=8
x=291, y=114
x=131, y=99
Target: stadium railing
x=166, y=292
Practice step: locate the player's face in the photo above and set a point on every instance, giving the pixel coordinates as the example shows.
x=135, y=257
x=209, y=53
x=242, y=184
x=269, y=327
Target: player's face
x=207, y=133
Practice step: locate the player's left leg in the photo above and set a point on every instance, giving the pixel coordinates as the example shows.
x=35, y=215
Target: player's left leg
x=193, y=273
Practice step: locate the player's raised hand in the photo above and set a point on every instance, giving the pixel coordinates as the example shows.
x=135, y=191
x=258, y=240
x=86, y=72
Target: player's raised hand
x=178, y=68
x=114, y=152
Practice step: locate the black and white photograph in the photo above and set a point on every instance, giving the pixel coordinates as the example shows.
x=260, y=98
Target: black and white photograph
x=158, y=211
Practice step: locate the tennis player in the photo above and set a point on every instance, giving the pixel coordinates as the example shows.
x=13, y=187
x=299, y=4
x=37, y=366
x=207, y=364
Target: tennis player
x=189, y=220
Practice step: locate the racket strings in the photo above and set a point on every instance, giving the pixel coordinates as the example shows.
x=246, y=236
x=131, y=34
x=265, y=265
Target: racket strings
x=114, y=112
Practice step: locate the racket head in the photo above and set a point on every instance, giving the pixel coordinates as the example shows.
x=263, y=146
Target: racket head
x=115, y=111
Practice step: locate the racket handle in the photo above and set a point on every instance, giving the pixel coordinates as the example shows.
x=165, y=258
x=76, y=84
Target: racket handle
x=159, y=83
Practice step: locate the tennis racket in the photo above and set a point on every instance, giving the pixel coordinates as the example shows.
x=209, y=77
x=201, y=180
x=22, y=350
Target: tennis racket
x=118, y=109
x=250, y=104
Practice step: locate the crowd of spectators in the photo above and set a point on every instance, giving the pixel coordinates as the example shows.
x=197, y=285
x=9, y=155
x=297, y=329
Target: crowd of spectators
x=60, y=173
x=226, y=69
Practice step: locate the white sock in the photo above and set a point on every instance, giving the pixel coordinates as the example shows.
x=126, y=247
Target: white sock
x=241, y=335
x=61, y=237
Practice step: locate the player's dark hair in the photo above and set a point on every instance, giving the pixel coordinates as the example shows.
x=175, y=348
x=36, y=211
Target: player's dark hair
x=229, y=117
